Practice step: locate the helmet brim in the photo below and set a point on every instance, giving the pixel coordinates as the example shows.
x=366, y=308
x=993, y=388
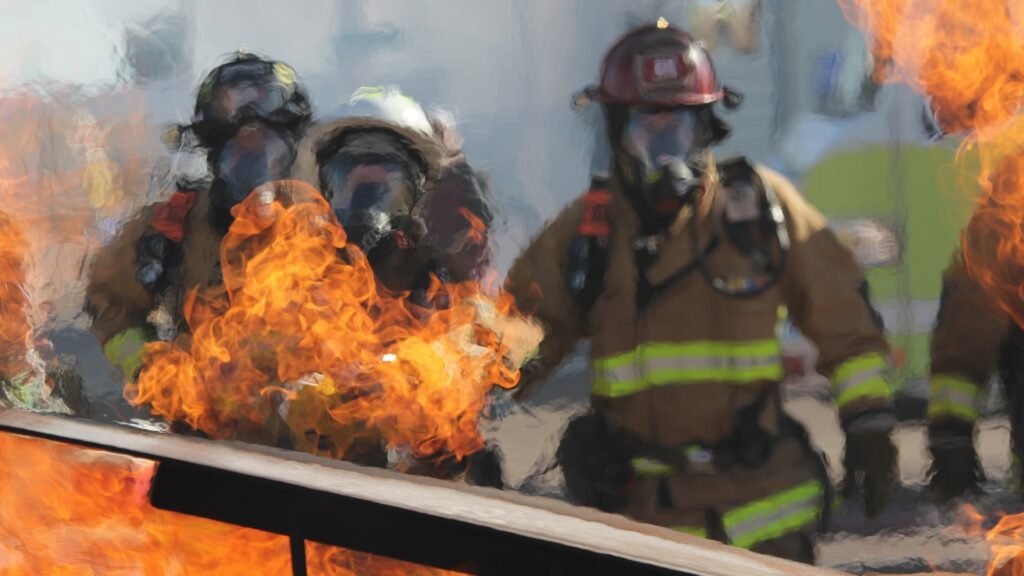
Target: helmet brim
x=427, y=148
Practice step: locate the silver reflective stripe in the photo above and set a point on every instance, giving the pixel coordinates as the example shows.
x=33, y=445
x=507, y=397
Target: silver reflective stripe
x=952, y=395
x=955, y=396
x=623, y=373
x=710, y=363
x=858, y=379
x=774, y=516
x=635, y=371
x=804, y=509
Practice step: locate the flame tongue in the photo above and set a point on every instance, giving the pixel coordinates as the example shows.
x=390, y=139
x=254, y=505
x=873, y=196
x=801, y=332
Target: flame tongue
x=968, y=58
x=69, y=510
x=300, y=340
x=1005, y=541
x=23, y=380
x=15, y=324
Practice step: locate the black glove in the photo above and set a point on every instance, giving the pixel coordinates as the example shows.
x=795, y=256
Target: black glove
x=151, y=252
x=955, y=469
x=870, y=459
x=597, y=473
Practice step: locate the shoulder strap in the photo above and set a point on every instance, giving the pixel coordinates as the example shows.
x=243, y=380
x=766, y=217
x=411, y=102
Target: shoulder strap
x=588, y=251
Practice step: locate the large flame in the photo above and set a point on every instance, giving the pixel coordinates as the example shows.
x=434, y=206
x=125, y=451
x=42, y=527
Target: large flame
x=299, y=334
x=968, y=58
x=15, y=323
x=57, y=183
x=23, y=379
x=70, y=510
x=1005, y=541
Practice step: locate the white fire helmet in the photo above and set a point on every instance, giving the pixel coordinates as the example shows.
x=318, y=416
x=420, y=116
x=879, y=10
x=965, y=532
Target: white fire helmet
x=387, y=107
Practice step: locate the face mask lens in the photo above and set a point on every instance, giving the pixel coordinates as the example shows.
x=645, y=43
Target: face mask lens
x=356, y=187
x=255, y=155
x=656, y=137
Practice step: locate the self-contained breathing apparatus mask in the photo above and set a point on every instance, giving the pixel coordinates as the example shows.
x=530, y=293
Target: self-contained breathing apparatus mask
x=373, y=185
x=669, y=149
x=257, y=153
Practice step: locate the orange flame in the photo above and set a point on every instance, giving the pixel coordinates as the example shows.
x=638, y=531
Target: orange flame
x=15, y=324
x=70, y=510
x=57, y=180
x=968, y=58
x=23, y=379
x=299, y=337
x=1005, y=541
x=477, y=233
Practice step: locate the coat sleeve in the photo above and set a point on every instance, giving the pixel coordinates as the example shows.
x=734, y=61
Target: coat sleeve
x=826, y=294
x=537, y=282
x=969, y=334
x=116, y=300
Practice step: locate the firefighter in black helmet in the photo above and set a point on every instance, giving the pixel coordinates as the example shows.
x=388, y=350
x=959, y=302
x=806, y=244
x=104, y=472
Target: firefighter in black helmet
x=250, y=113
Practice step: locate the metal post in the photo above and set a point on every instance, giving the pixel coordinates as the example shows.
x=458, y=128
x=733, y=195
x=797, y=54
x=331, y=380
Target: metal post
x=298, y=546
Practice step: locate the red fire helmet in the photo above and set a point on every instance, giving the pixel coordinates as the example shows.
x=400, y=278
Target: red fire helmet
x=658, y=65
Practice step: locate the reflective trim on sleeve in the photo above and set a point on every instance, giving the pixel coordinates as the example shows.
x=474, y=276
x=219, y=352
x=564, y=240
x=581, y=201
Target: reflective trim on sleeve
x=774, y=516
x=950, y=395
x=861, y=377
x=648, y=468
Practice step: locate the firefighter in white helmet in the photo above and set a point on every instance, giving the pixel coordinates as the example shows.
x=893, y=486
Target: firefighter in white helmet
x=400, y=186
x=379, y=164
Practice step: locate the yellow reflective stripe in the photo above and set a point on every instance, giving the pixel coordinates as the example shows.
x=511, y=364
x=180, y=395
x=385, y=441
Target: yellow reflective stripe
x=775, y=515
x=652, y=468
x=875, y=387
x=697, y=348
x=125, y=350
x=617, y=361
x=284, y=74
x=698, y=531
x=856, y=366
x=731, y=375
x=861, y=377
x=369, y=92
x=955, y=396
x=670, y=363
x=612, y=389
x=937, y=410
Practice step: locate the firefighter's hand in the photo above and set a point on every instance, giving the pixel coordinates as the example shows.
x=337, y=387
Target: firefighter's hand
x=955, y=470
x=870, y=459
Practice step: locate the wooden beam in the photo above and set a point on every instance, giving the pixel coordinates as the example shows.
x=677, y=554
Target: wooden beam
x=487, y=514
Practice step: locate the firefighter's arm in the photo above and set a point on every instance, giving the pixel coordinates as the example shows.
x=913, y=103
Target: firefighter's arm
x=538, y=282
x=969, y=333
x=117, y=301
x=826, y=294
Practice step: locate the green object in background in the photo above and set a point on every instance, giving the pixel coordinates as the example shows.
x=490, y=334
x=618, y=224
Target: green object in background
x=919, y=193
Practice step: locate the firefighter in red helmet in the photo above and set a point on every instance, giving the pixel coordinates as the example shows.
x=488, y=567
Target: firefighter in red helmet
x=675, y=265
